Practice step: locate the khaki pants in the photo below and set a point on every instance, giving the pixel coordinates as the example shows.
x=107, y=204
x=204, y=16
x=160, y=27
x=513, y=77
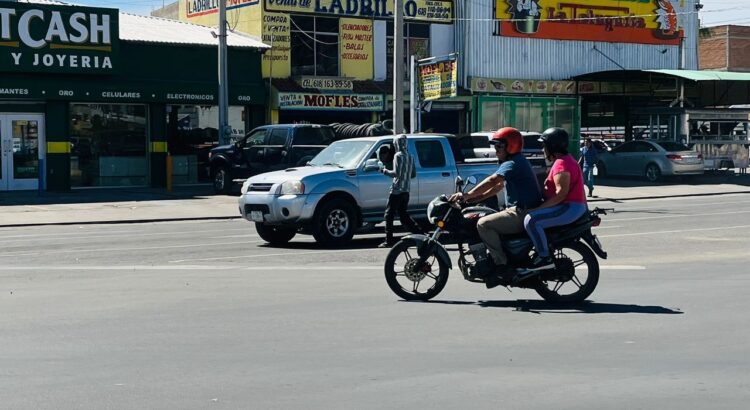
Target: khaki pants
x=490, y=227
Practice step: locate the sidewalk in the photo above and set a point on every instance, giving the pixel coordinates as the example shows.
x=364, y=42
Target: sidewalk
x=198, y=203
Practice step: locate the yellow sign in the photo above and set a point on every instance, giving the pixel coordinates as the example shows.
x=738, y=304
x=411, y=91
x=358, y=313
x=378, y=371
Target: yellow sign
x=615, y=21
x=277, y=61
x=326, y=83
x=434, y=11
x=355, y=42
x=498, y=85
x=438, y=80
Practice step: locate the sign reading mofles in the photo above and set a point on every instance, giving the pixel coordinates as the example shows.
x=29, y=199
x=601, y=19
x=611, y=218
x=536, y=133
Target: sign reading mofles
x=310, y=101
x=35, y=37
x=434, y=11
x=617, y=21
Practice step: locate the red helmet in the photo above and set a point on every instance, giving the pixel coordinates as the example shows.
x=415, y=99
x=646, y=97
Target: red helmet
x=511, y=137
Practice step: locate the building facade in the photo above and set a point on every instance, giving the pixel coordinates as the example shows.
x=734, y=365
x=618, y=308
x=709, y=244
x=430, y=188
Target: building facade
x=725, y=48
x=90, y=97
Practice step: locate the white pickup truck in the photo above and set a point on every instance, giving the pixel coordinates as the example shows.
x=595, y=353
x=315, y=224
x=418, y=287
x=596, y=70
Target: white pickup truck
x=341, y=190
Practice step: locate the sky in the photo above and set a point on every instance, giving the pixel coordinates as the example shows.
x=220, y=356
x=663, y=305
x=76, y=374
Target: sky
x=714, y=13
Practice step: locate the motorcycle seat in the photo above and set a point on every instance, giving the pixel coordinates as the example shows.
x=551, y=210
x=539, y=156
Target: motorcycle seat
x=551, y=231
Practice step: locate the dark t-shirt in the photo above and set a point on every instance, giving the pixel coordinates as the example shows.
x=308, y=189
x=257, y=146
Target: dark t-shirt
x=521, y=185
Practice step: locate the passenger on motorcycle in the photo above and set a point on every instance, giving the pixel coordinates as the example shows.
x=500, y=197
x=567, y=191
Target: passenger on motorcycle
x=522, y=193
x=564, y=197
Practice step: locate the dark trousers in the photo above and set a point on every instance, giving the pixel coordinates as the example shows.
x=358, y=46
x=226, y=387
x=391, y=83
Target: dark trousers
x=398, y=203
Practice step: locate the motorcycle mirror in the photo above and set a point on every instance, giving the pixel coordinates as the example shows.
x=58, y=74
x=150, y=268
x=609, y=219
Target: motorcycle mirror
x=472, y=180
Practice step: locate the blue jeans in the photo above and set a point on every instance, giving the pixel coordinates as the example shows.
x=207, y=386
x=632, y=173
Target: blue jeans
x=537, y=221
x=588, y=177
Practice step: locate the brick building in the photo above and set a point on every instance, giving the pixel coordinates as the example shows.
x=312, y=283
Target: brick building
x=725, y=48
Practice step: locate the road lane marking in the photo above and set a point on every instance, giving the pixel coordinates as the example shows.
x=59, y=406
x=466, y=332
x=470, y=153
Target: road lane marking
x=264, y=255
x=247, y=268
x=674, y=231
x=644, y=218
x=155, y=247
x=72, y=235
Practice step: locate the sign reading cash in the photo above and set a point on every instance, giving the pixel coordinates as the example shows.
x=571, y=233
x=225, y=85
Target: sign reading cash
x=63, y=39
x=437, y=79
x=434, y=11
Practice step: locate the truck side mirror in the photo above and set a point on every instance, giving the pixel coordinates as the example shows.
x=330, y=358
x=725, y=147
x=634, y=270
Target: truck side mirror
x=372, y=165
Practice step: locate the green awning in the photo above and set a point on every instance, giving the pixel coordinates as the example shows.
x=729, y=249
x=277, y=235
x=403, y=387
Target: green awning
x=696, y=75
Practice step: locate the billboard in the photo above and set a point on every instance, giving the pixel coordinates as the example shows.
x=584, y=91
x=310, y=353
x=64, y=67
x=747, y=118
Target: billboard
x=433, y=11
x=614, y=21
x=437, y=79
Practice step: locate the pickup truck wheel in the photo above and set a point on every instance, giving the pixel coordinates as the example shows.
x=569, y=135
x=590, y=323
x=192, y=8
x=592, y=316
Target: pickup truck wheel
x=334, y=223
x=221, y=180
x=275, y=235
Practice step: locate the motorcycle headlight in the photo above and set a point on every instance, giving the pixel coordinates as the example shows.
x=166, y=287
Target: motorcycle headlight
x=292, y=188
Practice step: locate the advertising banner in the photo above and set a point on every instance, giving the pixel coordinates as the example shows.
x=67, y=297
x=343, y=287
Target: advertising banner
x=615, y=21
x=433, y=11
x=58, y=39
x=277, y=62
x=355, y=42
x=438, y=79
x=197, y=8
x=349, y=102
x=510, y=86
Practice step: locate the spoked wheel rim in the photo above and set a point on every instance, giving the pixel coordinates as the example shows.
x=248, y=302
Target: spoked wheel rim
x=219, y=179
x=652, y=173
x=411, y=281
x=337, y=223
x=575, y=276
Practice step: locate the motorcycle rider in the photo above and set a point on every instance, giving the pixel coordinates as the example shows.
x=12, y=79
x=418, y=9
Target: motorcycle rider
x=564, y=196
x=522, y=193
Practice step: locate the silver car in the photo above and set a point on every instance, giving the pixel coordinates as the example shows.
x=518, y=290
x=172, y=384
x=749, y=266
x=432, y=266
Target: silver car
x=650, y=159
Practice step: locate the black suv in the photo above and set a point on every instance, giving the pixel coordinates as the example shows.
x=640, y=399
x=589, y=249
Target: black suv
x=264, y=149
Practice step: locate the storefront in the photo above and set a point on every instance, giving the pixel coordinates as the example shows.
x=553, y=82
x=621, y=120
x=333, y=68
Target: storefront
x=102, y=102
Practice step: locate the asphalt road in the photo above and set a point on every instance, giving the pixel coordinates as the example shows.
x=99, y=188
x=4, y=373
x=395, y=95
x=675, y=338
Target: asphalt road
x=205, y=316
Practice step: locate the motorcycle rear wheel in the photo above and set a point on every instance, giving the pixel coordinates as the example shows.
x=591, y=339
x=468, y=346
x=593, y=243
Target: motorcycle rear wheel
x=405, y=278
x=577, y=270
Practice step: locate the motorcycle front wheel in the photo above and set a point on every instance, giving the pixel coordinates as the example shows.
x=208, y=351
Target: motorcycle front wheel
x=410, y=281
x=575, y=276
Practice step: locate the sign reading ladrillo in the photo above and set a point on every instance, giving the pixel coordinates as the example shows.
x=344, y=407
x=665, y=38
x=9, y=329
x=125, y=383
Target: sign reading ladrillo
x=435, y=11
x=50, y=38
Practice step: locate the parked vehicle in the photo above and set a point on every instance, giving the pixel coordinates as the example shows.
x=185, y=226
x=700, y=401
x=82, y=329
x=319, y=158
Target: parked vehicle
x=266, y=148
x=342, y=189
x=532, y=148
x=417, y=267
x=650, y=159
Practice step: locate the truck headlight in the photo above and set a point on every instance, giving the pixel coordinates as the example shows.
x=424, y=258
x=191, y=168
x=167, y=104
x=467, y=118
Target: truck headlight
x=292, y=188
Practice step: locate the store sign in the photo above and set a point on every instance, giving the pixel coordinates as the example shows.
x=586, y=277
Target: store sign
x=197, y=8
x=356, y=48
x=277, y=60
x=350, y=102
x=438, y=79
x=327, y=84
x=61, y=39
x=616, y=21
x=497, y=85
x=434, y=11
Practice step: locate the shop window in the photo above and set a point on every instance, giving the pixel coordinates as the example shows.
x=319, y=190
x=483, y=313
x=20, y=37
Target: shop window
x=108, y=145
x=192, y=131
x=416, y=42
x=315, y=46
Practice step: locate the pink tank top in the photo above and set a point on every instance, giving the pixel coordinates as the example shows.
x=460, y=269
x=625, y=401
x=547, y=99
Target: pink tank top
x=566, y=164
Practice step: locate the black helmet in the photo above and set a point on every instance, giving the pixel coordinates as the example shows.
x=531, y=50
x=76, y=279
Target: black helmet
x=556, y=140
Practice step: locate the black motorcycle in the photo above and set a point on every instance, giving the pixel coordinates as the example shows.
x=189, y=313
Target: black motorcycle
x=416, y=268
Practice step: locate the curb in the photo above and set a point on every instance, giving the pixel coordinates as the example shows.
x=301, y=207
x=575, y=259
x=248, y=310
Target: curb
x=123, y=221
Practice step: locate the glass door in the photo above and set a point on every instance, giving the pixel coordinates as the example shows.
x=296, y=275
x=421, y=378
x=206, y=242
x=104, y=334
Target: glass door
x=23, y=142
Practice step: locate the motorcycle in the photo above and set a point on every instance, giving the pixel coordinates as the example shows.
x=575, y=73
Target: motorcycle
x=417, y=267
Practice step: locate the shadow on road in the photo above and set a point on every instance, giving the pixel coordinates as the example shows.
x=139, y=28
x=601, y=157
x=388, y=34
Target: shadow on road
x=540, y=306
x=361, y=243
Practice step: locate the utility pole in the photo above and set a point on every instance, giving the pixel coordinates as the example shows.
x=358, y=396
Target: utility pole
x=413, y=96
x=398, y=67
x=223, y=88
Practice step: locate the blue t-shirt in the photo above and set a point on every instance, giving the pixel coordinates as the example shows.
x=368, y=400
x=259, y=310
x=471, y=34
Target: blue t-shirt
x=521, y=185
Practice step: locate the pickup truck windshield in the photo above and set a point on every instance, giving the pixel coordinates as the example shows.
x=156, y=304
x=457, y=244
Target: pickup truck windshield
x=344, y=154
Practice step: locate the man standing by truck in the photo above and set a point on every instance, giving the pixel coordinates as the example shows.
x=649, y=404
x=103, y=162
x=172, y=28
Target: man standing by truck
x=403, y=171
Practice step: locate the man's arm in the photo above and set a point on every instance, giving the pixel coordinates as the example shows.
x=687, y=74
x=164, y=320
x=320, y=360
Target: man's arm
x=396, y=164
x=488, y=187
